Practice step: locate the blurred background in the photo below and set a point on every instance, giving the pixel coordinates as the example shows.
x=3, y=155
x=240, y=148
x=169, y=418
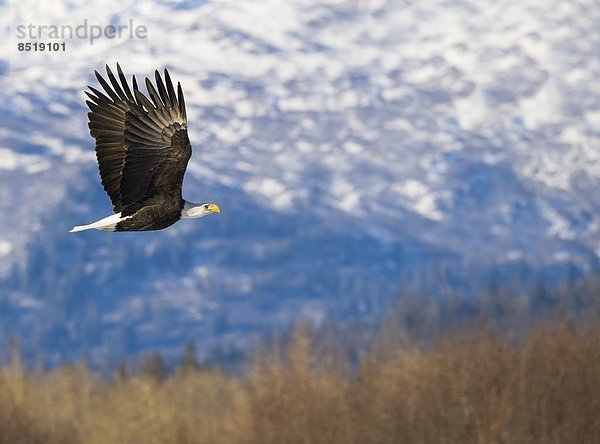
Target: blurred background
x=363, y=153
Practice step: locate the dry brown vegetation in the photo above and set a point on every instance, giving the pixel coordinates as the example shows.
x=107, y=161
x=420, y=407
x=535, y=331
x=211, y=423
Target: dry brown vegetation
x=470, y=387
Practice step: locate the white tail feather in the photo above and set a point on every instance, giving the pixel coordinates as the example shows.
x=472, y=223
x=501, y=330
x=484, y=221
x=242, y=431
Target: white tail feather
x=106, y=224
x=79, y=228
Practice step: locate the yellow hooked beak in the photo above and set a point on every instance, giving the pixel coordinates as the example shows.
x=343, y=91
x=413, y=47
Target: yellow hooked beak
x=214, y=208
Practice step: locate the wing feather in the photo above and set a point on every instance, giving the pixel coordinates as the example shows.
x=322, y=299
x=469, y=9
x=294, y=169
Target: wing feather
x=153, y=94
x=161, y=89
x=170, y=90
x=115, y=84
x=181, y=101
x=107, y=88
x=124, y=84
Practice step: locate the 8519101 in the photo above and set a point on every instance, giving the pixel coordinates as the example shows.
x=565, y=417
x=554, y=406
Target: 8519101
x=41, y=46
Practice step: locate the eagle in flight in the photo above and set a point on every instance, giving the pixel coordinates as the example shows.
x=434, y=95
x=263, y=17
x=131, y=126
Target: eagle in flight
x=143, y=149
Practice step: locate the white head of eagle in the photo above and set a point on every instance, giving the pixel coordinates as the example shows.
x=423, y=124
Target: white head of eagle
x=143, y=149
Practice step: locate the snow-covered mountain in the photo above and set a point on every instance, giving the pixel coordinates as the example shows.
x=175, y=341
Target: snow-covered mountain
x=356, y=148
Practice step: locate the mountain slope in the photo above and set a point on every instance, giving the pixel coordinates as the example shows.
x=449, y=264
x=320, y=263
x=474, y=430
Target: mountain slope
x=356, y=149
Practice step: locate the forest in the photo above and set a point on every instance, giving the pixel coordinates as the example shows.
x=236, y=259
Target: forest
x=509, y=370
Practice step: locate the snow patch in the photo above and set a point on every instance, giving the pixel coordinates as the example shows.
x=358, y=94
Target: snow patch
x=5, y=248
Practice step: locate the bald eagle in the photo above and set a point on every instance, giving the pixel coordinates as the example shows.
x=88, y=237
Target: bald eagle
x=142, y=148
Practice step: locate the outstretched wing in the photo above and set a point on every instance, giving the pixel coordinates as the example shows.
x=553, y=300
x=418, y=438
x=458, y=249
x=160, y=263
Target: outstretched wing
x=145, y=140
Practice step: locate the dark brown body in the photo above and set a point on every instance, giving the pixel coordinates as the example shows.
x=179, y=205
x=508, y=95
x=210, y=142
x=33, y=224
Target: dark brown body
x=152, y=217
